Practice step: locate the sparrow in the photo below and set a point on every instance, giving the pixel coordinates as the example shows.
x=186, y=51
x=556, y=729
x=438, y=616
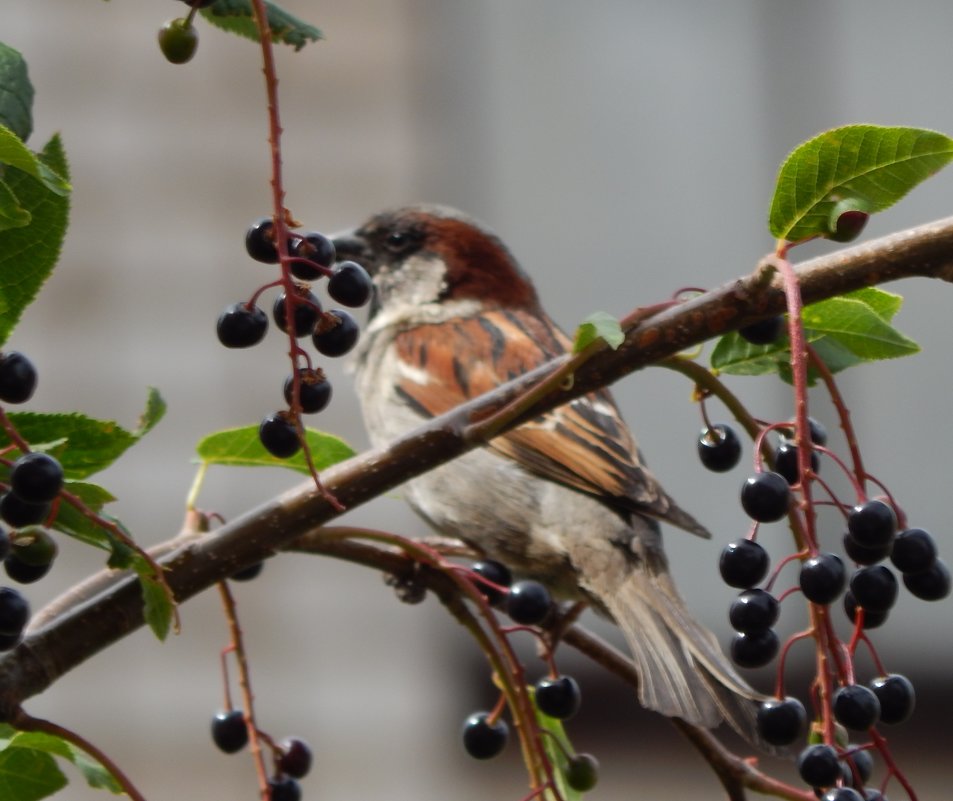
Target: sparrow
x=564, y=499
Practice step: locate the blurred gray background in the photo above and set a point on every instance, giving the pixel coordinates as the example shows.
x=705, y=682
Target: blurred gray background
x=623, y=149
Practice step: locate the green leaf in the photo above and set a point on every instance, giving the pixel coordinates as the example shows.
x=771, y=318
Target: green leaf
x=844, y=331
x=91, y=444
x=96, y=775
x=27, y=774
x=12, y=214
x=237, y=16
x=158, y=607
x=599, y=325
x=28, y=254
x=870, y=163
x=556, y=744
x=240, y=447
x=16, y=154
x=16, y=93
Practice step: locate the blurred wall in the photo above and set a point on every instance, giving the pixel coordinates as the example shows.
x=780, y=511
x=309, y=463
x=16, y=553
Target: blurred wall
x=622, y=149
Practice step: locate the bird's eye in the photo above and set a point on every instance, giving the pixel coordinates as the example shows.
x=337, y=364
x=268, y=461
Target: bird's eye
x=404, y=241
x=396, y=240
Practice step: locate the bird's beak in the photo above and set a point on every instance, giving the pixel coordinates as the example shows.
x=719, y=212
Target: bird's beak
x=350, y=245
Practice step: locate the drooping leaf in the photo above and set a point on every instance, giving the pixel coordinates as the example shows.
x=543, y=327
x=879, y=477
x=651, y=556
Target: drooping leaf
x=16, y=93
x=599, y=325
x=556, y=744
x=94, y=772
x=27, y=774
x=14, y=153
x=844, y=331
x=240, y=447
x=237, y=16
x=158, y=607
x=873, y=164
x=28, y=254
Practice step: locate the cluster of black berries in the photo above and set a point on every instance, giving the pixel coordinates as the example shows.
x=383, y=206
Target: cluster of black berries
x=836, y=773
x=26, y=502
x=292, y=755
x=297, y=311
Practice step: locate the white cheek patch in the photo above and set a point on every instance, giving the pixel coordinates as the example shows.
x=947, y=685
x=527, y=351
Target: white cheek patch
x=597, y=406
x=413, y=374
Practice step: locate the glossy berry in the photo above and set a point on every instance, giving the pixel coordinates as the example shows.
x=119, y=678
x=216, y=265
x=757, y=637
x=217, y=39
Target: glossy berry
x=872, y=524
x=559, y=697
x=316, y=248
x=19, y=513
x=822, y=578
x=17, y=377
x=9, y=641
x=36, y=477
x=847, y=219
x=842, y=793
x=22, y=572
x=229, y=731
x=719, y=448
x=582, y=772
x=753, y=610
x=763, y=332
x=260, y=241
x=897, y=697
x=528, y=602
x=861, y=762
x=35, y=547
x=856, y=707
x=496, y=573
x=307, y=309
x=248, y=573
x=874, y=588
x=872, y=794
x=756, y=649
x=178, y=41
x=914, y=551
x=14, y=612
x=350, y=284
x=241, y=326
x=314, y=390
x=818, y=765
x=296, y=757
x=4, y=544
x=278, y=434
x=872, y=619
x=336, y=333
x=930, y=585
x=861, y=555
x=284, y=788
x=817, y=431
x=482, y=739
x=765, y=497
x=786, y=462
x=781, y=721
x=743, y=563
x=198, y=3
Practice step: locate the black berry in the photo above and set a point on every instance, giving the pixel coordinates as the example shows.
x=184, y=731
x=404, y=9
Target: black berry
x=818, y=765
x=874, y=588
x=336, y=333
x=753, y=610
x=871, y=619
x=284, y=788
x=765, y=497
x=872, y=524
x=241, y=326
x=859, y=762
x=781, y=721
x=496, y=573
x=847, y=219
x=4, y=544
x=307, y=309
x=9, y=641
x=178, y=40
x=260, y=241
x=482, y=739
x=817, y=431
x=822, y=578
x=23, y=572
x=914, y=551
x=856, y=707
x=528, y=602
x=896, y=695
x=34, y=547
x=864, y=556
x=842, y=793
x=743, y=563
x=36, y=477
x=932, y=584
x=248, y=573
x=17, y=377
x=719, y=448
x=756, y=649
x=786, y=462
x=14, y=612
x=198, y=3
x=316, y=248
x=295, y=759
x=229, y=731
x=314, y=390
x=582, y=772
x=350, y=284
x=278, y=434
x=558, y=697
x=19, y=513
x=763, y=332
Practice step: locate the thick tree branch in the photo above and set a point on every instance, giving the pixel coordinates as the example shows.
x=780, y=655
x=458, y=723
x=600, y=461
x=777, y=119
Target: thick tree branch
x=87, y=625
